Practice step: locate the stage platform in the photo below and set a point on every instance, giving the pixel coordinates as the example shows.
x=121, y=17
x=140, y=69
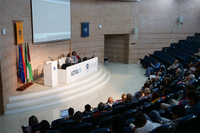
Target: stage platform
x=39, y=96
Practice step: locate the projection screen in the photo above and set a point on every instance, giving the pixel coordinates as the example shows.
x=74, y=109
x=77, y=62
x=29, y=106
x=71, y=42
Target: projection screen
x=51, y=20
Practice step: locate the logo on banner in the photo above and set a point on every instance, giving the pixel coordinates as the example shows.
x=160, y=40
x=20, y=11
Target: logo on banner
x=74, y=72
x=54, y=68
x=87, y=67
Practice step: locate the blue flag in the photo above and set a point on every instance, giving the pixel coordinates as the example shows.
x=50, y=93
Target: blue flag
x=20, y=69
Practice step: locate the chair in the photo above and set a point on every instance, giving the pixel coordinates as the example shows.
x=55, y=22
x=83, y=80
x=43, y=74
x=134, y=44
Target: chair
x=120, y=109
x=132, y=120
x=102, y=116
x=83, y=128
x=102, y=130
x=130, y=113
x=147, y=108
x=55, y=122
x=53, y=131
x=188, y=124
x=64, y=123
x=170, y=97
x=167, y=113
x=158, y=102
x=184, y=103
x=88, y=118
x=131, y=105
x=180, y=95
x=106, y=122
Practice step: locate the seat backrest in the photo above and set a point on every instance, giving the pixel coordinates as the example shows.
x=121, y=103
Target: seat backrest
x=170, y=97
x=64, y=124
x=102, y=116
x=188, y=124
x=132, y=120
x=131, y=105
x=88, y=118
x=120, y=109
x=83, y=128
x=147, y=108
x=53, y=131
x=106, y=122
x=102, y=130
x=55, y=122
x=180, y=95
x=130, y=113
x=158, y=102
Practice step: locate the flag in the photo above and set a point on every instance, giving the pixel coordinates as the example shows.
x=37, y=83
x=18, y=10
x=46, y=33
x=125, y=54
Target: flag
x=19, y=30
x=23, y=62
x=20, y=69
x=28, y=64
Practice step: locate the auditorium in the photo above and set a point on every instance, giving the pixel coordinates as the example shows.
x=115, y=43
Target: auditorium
x=99, y=66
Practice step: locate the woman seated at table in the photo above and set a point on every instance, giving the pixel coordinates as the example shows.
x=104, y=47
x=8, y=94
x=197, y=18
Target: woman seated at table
x=69, y=59
x=75, y=57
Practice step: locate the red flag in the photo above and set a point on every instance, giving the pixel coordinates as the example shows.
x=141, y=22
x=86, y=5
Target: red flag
x=24, y=66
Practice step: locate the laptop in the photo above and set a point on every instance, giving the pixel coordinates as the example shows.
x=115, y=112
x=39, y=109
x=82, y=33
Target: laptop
x=64, y=113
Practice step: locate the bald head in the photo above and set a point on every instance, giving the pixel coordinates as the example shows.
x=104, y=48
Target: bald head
x=110, y=100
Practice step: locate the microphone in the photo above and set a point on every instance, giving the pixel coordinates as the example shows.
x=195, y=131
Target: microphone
x=50, y=58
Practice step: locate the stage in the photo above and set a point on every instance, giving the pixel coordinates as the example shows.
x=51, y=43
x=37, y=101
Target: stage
x=111, y=79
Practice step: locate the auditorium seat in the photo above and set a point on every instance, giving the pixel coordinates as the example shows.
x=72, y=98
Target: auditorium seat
x=147, y=108
x=102, y=130
x=158, y=102
x=169, y=97
x=131, y=105
x=63, y=124
x=132, y=120
x=106, y=122
x=167, y=113
x=180, y=95
x=130, y=113
x=55, y=122
x=53, y=131
x=102, y=116
x=83, y=128
x=188, y=124
x=88, y=118
x=120, y=109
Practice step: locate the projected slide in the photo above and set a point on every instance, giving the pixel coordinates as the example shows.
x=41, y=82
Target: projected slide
x=51, y=20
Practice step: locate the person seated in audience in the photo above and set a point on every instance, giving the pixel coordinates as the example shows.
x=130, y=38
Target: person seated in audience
x=44, y=126
x=193, y=99
x=147, y=94
x=162, y=70
x=123, y=98
x=164, y=106
x=173, y=67
x=100, y=110
x=152, y=82
x=177, y=113
x=142, y=125
x=118, y=124
x=167, y=83
x=153, y=68
x=77, y=120
x=191, y=69
x=166, y=91
x=138, y=94
x=157, y=78
x=110, y=101
x=74, y=57
x=129, y=98
x=31, y=122
x=190, y=80
x=69, y=59
x=177, y=74
x=71, y=112
x=155, y=97
x=87, y=109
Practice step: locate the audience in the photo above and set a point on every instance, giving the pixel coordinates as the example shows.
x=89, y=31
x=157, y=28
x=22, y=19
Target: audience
x=44, y=126
x=177, y=113
x=71, y=112
x=155, y=97
x=31, y=122
x=153, y=68
x=87, y=109
x=177, y=74
x=142, y=125
x=100, y=110
x=110, y=101
x=146, y=95
x=118, y=124
x=173, y=67
x=193, y=98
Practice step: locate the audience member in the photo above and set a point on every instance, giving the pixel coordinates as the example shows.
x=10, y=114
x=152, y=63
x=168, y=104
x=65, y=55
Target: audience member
x=155, y=97
x=177, y=74
x=146, y=95
x=110, y=101
x=74, y=57
x=164, y=106
x=173, y=67
x=87, y=109
x=44, y=126
x=153, y=68
x=69, y=59
x=118, y=124
x=193, y=98
x=177, y=113
x=142, y=125
x=100, y=110
x=31, y=122
x=152, y=82
x=123, y=97
x=71, y=112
